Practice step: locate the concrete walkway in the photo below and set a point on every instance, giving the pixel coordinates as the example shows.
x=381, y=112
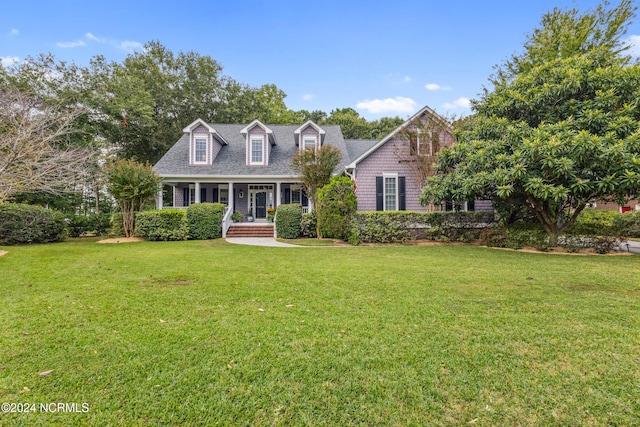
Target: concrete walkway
x=259, y=241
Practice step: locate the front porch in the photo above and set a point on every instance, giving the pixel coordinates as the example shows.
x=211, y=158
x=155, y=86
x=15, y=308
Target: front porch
x=248, y=198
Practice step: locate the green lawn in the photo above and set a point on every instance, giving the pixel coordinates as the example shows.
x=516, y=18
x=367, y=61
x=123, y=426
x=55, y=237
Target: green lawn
x=206, y=333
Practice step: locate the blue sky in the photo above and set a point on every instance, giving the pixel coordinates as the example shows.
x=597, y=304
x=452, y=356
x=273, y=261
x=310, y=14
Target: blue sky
x=382, y=58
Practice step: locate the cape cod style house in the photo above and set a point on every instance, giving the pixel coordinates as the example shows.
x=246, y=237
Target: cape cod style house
x=248, y=167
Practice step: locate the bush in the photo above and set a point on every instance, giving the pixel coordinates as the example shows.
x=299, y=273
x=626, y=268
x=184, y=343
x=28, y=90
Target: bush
x=400, y=226
x=21, y=223
x=88, y=224
x=117, y=229
x=628, y=224
x=205, y=220
x=166, y=224
x=336, y=203
x=308, y=225
x=516, y=236
x=595, y=222
x=288, y=219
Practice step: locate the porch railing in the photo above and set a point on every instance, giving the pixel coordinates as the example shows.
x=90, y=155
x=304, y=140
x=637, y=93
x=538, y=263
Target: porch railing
x=305, y=209
x=226, y=221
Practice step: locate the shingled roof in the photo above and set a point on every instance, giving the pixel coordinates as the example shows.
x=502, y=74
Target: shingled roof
x=231, y=160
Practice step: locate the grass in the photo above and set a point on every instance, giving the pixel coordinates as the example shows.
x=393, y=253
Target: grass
x=313, y=242
x=206, y=333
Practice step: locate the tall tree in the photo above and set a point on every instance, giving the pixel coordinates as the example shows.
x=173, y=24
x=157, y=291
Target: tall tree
x=316, y=167
x=558, y=134
x=36, y=146
x=132, y=184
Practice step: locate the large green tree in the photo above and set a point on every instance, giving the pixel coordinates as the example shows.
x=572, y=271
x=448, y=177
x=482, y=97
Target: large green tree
x=315, y=168
x=557, y=133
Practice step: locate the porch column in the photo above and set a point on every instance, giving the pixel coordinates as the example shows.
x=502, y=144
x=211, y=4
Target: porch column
x=159, y=202
x=197, y=192
x=173, y=190
x=278, y=199
x=231, y=197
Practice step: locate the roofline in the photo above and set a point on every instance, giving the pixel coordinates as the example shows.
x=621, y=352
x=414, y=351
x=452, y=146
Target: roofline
x=247, y=178
x=425, y=109
x=210, y=128
x=252, y=124
x=307, y=123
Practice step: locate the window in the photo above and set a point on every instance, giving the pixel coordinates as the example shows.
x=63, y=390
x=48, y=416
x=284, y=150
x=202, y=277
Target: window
x=309, y=142
x=390, y=193
x=200, y=150
x=459, y=206
x=257, y=147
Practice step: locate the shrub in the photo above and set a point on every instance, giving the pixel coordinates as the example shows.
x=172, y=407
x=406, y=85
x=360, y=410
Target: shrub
x=399, y=226
x=288, y=219
x=205, y=220
x=595, y=222
x=86, y=224
x=21, y=223
x=117, y=229
x=628, y=224
x=166, y=224
x=237, y=216
x=308, y=225
x=516, y=236
x=336, y=203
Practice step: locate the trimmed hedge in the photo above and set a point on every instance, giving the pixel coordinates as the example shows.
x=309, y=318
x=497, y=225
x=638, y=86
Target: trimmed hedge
x=21, y=223
x=336, y=204
x=628, y=224
x=84, y=224
x=205, y=220
x=401, y=226
x=288, y=219
x=308, y=225
x=596, y=222
x=166, y=224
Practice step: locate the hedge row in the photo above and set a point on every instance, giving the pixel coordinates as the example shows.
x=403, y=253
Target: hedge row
x=21, y=223
x=288, y=220
x=401, y=226
x=168, y=224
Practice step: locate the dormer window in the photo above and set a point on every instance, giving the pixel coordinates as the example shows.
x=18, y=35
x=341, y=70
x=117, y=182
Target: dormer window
x=259, y=139
x=204, y=143
x=257, y=150
x=310, y=142
x=200, y=150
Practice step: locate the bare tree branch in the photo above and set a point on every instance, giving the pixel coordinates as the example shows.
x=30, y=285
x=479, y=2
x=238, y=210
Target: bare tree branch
x=34, y=151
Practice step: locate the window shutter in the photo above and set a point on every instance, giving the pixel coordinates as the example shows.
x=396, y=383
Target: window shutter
x=471, y=205
x=304, y=200
x=402, y=199
x=215, y=195
x=379, y=193
x=287, y=196
x=185, y=196
x=203, y=195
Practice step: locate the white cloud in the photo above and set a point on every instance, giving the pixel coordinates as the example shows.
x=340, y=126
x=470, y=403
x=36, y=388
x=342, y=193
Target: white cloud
x=90, y=36
x=634, y=45
x=407, y=79
x=130, y=46
x=8, y=61
x=398, y=104
x=307, y=97
x=436, y=86
x=14, y=32
x=461, y=102
x=70, y=45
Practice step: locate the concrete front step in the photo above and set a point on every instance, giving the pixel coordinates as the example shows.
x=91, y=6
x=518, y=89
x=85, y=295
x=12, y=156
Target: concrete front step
x=251, y=231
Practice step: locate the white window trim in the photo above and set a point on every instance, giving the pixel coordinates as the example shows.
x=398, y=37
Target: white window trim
x=196, y=138
x=262, y=141
x=385, y=176
x=313, y=138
